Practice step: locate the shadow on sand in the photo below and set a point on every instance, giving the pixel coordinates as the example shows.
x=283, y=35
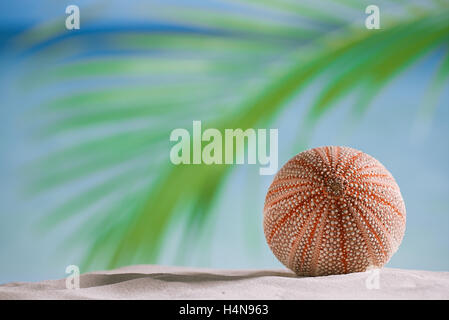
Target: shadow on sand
x=95, y=280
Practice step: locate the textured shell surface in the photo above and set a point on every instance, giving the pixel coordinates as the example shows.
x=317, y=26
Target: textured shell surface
x=333, y=210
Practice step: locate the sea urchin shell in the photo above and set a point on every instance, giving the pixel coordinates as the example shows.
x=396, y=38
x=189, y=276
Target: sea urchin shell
x=333, y=210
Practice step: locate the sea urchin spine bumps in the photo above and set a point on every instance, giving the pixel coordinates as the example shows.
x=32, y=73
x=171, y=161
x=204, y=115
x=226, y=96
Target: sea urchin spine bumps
x=333, y=210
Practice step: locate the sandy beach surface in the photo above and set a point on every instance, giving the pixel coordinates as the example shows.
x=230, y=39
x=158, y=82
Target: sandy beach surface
x=163, y=282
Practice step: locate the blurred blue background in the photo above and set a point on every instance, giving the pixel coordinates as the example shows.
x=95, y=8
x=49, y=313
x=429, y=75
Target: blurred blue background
x=208, y=65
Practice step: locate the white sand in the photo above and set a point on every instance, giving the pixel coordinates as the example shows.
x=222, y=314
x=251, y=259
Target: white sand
x=161, y=282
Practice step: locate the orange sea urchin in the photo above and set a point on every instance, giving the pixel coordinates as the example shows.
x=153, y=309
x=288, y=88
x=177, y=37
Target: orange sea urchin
x=333, y=210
